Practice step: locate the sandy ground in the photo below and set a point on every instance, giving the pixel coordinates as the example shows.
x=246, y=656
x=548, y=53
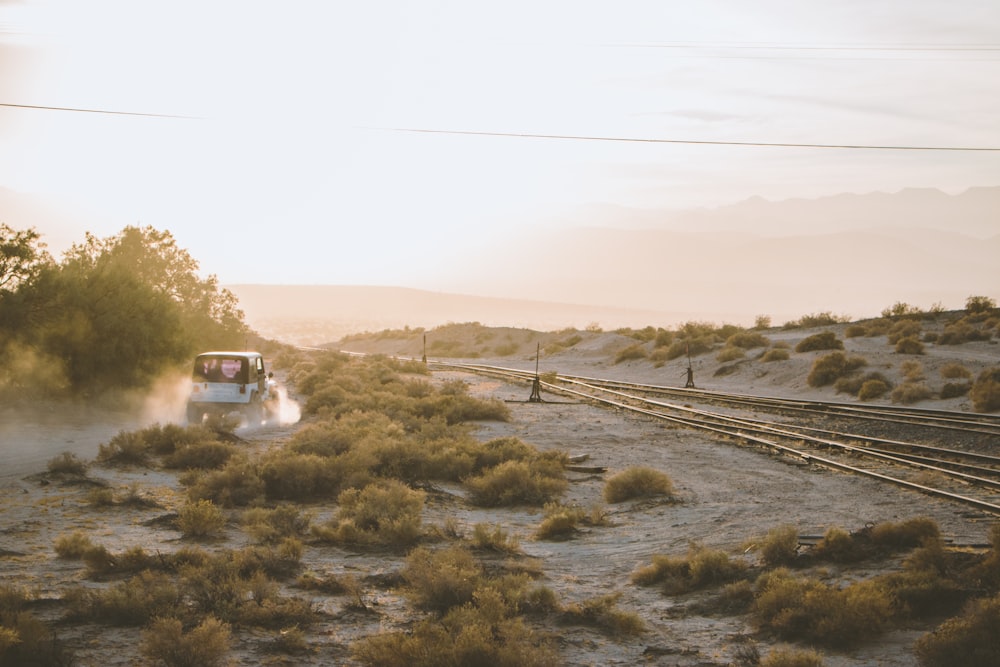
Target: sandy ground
x=728, y=496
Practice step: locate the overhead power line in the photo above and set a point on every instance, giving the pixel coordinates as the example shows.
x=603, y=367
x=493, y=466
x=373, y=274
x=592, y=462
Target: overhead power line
x=101, y=111
x=757, y=144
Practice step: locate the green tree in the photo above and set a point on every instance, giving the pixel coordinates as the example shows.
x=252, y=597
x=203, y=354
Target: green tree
x=22, y=257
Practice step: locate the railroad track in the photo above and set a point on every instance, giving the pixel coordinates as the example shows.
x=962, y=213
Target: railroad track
x=834, y=435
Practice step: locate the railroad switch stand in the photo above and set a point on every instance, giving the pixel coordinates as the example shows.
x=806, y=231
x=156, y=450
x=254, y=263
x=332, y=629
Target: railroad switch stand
x=690, y=378
x=536, y=391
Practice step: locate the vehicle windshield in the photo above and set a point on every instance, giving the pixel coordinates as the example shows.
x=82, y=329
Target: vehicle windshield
x=221, y=368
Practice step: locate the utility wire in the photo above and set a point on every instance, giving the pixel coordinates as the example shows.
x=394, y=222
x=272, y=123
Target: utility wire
x=103, y=111
x=758, y=144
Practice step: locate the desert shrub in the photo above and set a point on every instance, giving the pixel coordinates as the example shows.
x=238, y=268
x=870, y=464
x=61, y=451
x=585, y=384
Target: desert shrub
x=561, y=521
x=101, y=562
x=787, y=657
x=980, y=304
x=985, y=392
x=298, y=477
x=636, y=351
x=101, y=496
x=853, y=384
x=637, y=482
x=909, y=393
x=730, y=353
x=499, y=450
x=955, y=389
x=873, y=388
x=827, y=369
x=385, y=512
x=205, y=454
x=775, y=354
x=201, y=518
x=603, y=613
x=24, y=639
x=747, y=340
x=855, y=331
x=124, y=449
x=690, y=347
x=439, y=580
x=815, y=320
x=826, y=340
x=970, y=640
x=839, y=546
x=494, y=539
x=67, y=463
x=480, y=632
x=906, y=534
x=73, y=546
x=701, y=568
x=130, y=603
x=236, y=484
x=902, y=330
x=780, y=546
x=955, y=371
x=901, y=309
x=271, y=525
x=909, y=345
x=808, y=609
x=517, y=483
x=205, y=645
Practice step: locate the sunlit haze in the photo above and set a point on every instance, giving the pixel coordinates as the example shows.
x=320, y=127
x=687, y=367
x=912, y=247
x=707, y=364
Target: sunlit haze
x=283, y=130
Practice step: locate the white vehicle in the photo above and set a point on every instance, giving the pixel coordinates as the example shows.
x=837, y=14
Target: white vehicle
x=227, y=382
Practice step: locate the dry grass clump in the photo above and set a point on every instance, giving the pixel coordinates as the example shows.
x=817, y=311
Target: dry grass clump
x=776, y=354
x=237, y=484
x=386, y=512
x=205, y=645
x=635, y=351
x=801, y=608
x=748, y=340
x=955, y=371
x=24, y=639
x=865, y=387
x=494, y=539
x=911, y=392
x=603, y=613
x=201, y=444
x=730, y=353
x=788, y=657
x=701, y=568
x=904, y=329
x=561, y=521
x=829, y=368
x=201, y=519
x=270, y=525
x=67, y=463
x=985, y=391
x=518, y=482
x=779, y=547
x=637, y=482
x=909, y=345
x=970, y=640
x=815, y=320
x=826, y=340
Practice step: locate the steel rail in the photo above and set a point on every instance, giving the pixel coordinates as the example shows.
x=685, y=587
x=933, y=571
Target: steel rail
x=753, y=430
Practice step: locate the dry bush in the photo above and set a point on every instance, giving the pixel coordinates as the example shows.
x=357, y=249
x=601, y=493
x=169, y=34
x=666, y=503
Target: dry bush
x=518, y=483
x=815, y=320
x=439, y=580
x=386, y=512
x=701, y=568
x=636, y=351
x=130, y=603
x=829, y=368
x=637, y=482
x=826, y=340
x=985, y=392
x=271, y=525
x=874, y=388
x=205, y=454
x=603, y=613
x=561, y=521
x=494, y=539
x=853, y=384
x=127, y=448
x=970, y=640
x=780, y=546
x=909, y=345
x=955, y=371
x=775, y=354
x=73, y=546
x=787, y=657
x=807, y=609
x=205, y=645
x=904, y=329
x=236, y=484
x=909, y=393
x=480, y=632
x=955, y=389
x=201, y=518
x=747, y=340
x=730, y=353
x=67, y=463
x=24, y=639
x=855, y=331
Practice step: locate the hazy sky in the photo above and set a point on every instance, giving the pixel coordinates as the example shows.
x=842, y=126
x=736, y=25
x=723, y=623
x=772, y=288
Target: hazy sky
x=282, y=146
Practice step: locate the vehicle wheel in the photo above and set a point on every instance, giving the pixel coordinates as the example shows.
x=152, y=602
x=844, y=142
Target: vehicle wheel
x=254, y=411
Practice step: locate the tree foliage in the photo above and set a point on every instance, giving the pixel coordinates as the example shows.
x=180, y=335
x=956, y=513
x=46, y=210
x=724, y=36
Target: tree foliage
x=112, y=314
